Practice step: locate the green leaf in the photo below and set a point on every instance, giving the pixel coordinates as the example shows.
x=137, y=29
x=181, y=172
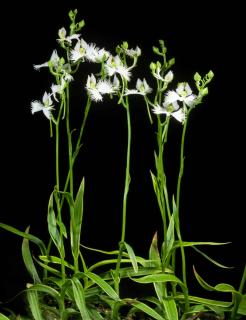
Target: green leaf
x=170, y=309
x=169, y=237
x=3, y=317
x=148, y=310
x=32, y=297
x=28, y=236
x=132, y=257
x=28, y=261
x=154, y=254
x=222, y=305
x=210, y=259
x=79, y=297
x=221, y=287
x=76, y=220
x=103, y=285
x=242, y=306
x=52, y=227
x=56, y=260
x=50, y=291
x=160, y=277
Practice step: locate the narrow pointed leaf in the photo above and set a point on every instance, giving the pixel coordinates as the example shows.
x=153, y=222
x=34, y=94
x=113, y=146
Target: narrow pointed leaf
x=28, y=261
x=170, y=309
x=79, y=297
x=154, y=254
x=32, y=297
x=3, y=317
x=242, y=306
x=76, y=220
x=103, y=285
x=160, y=277
x=52, y=227
x=210, y=259
x=148, y=310
x=132, y=257
x=28, y=236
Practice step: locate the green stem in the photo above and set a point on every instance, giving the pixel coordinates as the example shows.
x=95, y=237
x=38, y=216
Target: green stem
x=126, y=189
x=181, y=171
x=70, y=147
x=239, y=297
x=59, y=217
x=78, y=144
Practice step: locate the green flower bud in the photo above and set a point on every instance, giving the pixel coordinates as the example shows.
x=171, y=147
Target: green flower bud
x=156, y=50
x=124, y=45
x=171, y=62
x=152, y=66
x=197, y=77
x=204, y=91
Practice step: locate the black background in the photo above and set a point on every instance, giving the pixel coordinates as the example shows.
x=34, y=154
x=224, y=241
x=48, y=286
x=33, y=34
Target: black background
x=201, y=37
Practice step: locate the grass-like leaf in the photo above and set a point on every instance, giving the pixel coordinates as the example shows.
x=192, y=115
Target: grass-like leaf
x=32, y=297
x=170, y=309
x=161, y=277
x=132, y=257
x=79, y=298
x=3, y=317
x=154, y=255
x=25, y=235
x=27, y=258
x=147, y=309
x=56, y=260
x=103, y=285
x=76, y=220
x=221, y=287
x=210, y=259
x=52, y=227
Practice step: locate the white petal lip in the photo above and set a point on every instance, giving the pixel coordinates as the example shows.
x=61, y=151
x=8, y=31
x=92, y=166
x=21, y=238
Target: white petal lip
x=95, y=94
x=37, y=106
x=178, y=115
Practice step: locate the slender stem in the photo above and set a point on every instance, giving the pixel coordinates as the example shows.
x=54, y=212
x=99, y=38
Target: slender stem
x=70, y=147
x=62, y=254
x=78, y=144
x=238, y=297
x=126, y=189
x=181, y=171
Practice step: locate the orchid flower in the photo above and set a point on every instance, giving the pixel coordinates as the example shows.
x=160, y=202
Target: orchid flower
x=62, y=33
x=46, y=105
x=98, y=89
x=114, y=65
x=54, y=60
x=182, y=93
x=170, y=110
x=142, y=88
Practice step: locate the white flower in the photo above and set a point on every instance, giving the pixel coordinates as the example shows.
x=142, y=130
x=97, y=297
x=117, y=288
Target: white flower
x=98, y=89
x=46, y=106
x=95, y=54
x=105, y=87
x=168, y=77
x=58, y=88
x=115, y=65
x=133, y=52
x=157, y=74
x=170, y=111
x=79, y=51
x=62, y=33
x=116, y=83
x=142, y=88
x=182, y=93
x=54, y=59
x=91, y=86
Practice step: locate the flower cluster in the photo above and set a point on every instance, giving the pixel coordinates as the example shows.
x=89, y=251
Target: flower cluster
x=113, y=79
